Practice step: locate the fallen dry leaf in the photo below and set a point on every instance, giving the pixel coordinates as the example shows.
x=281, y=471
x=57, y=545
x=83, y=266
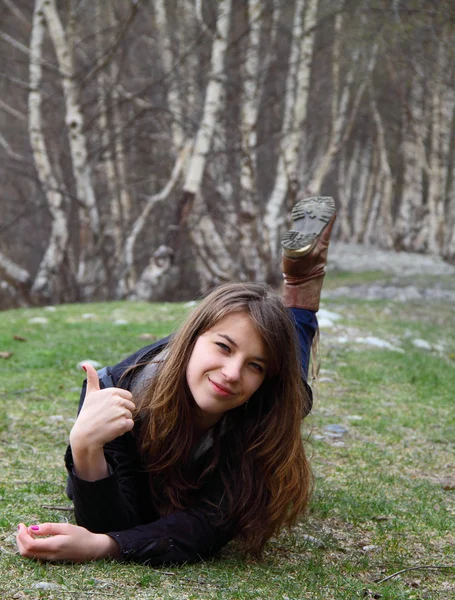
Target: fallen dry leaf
x=5, y=354
x=19, y=338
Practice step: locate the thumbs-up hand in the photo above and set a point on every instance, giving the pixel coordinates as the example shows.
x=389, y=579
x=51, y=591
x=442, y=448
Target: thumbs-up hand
x=105, y=415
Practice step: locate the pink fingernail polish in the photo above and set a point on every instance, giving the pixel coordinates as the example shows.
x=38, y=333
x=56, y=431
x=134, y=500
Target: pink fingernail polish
x=34, y=527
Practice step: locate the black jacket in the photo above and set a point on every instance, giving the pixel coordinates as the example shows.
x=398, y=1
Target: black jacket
x=122, y=505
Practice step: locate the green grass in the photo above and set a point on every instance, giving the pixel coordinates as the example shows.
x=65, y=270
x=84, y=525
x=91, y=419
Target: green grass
x=379, y=504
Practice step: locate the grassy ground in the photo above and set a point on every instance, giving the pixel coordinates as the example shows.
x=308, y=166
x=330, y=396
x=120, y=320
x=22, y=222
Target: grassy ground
x=385, y=488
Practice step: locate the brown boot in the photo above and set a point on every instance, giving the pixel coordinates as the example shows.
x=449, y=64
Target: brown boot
x=305, y=250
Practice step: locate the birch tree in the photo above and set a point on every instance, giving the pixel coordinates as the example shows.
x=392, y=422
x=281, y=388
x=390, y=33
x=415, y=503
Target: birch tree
x=442, y=105
x=381, y=218
x=155, y=156
x=89, y=222
x=346, y=98
x=203, y=229
x=47, y=281
x=15, y=276
x=295, y=112
x=411, y=209
x=113, y=227
x=251, y=256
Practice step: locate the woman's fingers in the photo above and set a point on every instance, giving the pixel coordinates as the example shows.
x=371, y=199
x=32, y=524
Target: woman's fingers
x=28, y=545
x=125, y=394
x=44, y=529
x=129, y=405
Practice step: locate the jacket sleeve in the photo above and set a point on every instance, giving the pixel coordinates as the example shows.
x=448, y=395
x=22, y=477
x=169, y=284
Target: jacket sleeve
x=181, y=537
x=110, y=502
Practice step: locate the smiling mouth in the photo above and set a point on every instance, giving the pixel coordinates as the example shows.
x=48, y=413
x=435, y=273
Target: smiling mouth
x=221, y=389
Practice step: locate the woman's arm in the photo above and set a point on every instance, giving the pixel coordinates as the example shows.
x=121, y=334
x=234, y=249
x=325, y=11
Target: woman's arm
x=183, y=536
x=119, y=500
x=104, y=415
x=64, y=542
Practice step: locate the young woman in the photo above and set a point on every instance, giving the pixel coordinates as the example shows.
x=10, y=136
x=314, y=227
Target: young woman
x=195, y=440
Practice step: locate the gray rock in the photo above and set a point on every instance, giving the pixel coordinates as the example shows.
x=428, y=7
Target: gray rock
x=419, y=343
x=313, y=540
x=360, y=257
x=45, y=585
x=370, y=548
x=335, y=430
x=378, y=343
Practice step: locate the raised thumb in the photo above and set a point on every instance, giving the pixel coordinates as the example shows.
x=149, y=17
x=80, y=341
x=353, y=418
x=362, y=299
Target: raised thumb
x=93, y=383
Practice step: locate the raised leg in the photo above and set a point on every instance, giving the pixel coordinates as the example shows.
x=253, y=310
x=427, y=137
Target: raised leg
x=305, y=249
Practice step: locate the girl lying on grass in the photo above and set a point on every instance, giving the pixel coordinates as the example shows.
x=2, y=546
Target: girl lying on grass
x=195, y=440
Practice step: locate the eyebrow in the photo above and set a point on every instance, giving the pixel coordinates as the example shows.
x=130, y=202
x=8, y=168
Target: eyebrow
x=231, y=341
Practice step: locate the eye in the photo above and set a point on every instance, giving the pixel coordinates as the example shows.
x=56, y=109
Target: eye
x=224, y=347
x=257, y=367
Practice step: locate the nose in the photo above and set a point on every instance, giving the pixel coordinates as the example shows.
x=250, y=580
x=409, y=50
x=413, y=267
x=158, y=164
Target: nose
x=232, y=370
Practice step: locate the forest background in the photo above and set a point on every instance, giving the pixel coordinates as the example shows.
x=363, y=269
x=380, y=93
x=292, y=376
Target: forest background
x=150, y=148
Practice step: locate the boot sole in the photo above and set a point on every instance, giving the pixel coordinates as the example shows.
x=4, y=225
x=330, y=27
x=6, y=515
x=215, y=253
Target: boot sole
x=311, y=216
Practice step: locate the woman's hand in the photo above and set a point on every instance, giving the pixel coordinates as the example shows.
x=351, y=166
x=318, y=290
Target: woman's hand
x=105, y=415
x=64, y=542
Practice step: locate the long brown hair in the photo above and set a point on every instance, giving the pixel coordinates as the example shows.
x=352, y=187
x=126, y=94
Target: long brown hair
x=266, y=476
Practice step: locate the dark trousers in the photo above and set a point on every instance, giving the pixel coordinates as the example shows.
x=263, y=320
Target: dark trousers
x=306, y=325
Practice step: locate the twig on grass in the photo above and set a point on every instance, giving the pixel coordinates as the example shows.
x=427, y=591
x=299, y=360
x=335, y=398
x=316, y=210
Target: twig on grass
x=428, y=567
x=65, y=508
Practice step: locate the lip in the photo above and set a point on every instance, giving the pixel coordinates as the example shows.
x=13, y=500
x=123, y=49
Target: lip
x=221, y=389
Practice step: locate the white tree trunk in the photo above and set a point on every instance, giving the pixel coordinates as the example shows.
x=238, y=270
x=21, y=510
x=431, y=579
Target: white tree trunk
x=384, y=227
x=411, y=214
x=12, y=272
x=48, y=272
x=350, y=173
x=173, y=97
x=449, y=242
x=295, y=111
x=362, y=168
x=440, y=142
x=341, y=118
x=213, y=263
x=204, y=136
x=371, y=200
x=248, y=220
x=113, y=224
x=88, y=214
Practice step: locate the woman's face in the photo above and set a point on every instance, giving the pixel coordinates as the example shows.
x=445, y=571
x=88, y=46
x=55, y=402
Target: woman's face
x=227, y=365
